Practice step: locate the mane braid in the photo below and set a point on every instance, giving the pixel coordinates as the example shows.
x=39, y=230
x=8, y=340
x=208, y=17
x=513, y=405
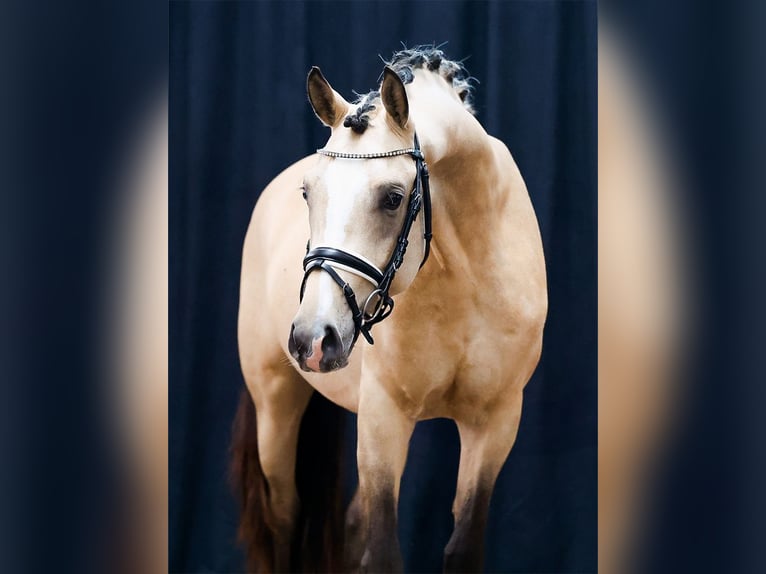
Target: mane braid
x=404, y=63
x=360, y=119
x=433, y=59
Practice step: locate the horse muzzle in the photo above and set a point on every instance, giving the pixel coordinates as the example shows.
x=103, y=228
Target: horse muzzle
x=317, y=348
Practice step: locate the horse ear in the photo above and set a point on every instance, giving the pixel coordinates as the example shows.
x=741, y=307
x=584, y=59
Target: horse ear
x=394, y=97
x=328, y=105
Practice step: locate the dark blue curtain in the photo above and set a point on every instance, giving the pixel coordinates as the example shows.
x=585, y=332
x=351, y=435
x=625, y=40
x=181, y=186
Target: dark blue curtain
x=239, y=115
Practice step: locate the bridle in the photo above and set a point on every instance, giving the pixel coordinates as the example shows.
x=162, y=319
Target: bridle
x=379, y=303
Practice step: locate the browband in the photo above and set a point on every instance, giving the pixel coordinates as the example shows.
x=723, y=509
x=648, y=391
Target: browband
x=343, y=155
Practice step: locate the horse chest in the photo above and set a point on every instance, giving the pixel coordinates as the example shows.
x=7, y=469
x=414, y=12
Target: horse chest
x=451, y=359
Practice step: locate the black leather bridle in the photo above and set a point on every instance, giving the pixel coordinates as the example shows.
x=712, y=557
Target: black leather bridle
x=379, y=303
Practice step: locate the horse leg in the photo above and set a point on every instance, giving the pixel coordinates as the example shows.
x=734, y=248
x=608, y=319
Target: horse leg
x=279, y=420
x=280, y=398
x=484, y=448
x=354, y=534
x=384, y=433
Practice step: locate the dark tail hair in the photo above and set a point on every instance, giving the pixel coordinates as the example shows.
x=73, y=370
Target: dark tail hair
x=318, y=539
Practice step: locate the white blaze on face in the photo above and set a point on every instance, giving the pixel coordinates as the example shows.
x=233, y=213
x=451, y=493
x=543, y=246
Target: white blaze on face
x=344, y=181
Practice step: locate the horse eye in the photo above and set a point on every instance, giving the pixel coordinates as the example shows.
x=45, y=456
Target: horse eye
x=392, y=201
x=303, y=192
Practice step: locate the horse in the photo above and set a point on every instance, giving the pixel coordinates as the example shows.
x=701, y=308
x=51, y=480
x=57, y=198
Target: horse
x=410, y=203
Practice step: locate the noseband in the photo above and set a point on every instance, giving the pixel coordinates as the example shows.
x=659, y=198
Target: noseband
x=379, y=303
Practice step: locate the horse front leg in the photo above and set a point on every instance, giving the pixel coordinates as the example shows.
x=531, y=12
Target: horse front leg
x=268, y=452
x=484, y=447
x=277, y=442
x=384, y=433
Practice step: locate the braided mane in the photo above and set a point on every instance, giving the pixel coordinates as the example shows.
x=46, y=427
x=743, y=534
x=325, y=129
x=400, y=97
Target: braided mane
x=404, y=63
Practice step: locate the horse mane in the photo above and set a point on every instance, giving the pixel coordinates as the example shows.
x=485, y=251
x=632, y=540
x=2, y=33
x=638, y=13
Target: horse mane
x=404, y=63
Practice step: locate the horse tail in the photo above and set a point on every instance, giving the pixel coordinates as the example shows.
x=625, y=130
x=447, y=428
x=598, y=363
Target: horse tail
x=319, y=478
x=318, y=536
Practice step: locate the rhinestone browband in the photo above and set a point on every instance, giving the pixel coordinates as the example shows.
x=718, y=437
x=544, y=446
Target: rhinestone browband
x=344, y=155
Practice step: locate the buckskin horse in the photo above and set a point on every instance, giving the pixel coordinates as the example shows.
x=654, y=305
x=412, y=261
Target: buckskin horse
x=410, y=202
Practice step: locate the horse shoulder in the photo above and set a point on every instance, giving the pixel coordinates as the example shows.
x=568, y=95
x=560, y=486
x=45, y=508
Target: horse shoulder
x=523, y=292
x=273, y=243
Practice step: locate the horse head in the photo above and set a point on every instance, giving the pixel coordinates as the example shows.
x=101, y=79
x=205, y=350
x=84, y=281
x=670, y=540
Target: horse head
x=365, y=245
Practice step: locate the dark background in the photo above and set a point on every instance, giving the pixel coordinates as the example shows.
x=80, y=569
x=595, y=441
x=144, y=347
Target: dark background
x=239, y=115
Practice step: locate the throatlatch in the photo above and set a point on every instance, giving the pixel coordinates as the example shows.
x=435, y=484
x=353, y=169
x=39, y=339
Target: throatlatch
x=379, y=303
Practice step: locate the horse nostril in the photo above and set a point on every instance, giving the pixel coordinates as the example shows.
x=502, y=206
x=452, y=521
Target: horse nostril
x=295, y=344
x=332, y=346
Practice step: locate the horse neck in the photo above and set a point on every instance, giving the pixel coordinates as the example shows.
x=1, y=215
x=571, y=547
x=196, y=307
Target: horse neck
x=467, y=198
